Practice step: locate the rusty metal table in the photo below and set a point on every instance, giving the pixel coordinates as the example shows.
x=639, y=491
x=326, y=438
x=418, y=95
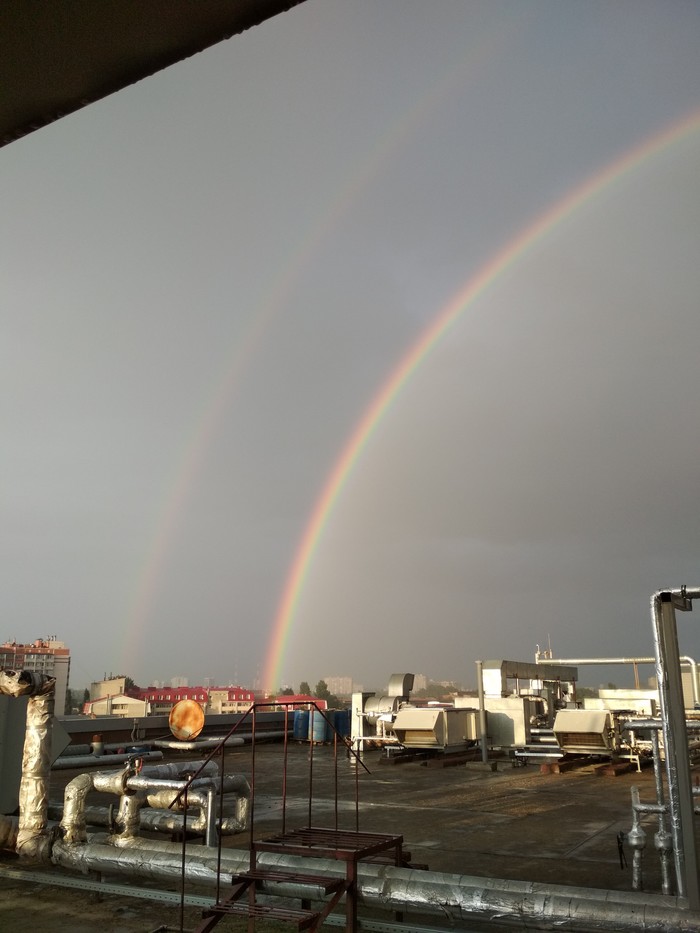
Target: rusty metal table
x=341, y=845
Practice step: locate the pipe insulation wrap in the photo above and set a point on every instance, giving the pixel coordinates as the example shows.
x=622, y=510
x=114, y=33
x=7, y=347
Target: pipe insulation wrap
x=454, y=897
x=32, y=836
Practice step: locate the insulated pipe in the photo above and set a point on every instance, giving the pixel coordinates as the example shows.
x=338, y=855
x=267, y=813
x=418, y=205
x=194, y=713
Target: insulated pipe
x=231, y=784
x=455, y=898
x=668, y=678
x=150, y=820
x=663, y=839
x=482, y=711
x=637, y=838
x=176, y=769
x=166, y=779
x=32, y=835
x=199, y=744
x=73, y=822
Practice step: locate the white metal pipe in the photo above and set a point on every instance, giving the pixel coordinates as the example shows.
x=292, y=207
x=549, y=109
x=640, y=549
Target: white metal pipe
x=668, y=678
x=482, y=712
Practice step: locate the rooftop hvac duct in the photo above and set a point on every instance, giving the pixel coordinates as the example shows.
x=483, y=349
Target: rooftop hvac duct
x=400, y=685
x=372, y=715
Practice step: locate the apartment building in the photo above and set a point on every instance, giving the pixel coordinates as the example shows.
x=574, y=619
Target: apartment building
x=44, y=656
x=230, y=699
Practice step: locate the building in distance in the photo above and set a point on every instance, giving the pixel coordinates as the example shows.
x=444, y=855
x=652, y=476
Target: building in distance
x=43, y=656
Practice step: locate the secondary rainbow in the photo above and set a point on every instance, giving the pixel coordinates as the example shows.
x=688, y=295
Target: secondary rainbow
x=515, y=250
x=217, y=397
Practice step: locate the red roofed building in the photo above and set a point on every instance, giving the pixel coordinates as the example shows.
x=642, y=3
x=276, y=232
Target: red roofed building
x=230, y=699
x=300, y=701
x=211, y=699
x=162, y=699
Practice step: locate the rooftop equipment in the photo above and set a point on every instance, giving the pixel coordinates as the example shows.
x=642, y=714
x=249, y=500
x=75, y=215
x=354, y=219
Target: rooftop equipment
x=430, y=727
x=585, y=731
x=373, y=714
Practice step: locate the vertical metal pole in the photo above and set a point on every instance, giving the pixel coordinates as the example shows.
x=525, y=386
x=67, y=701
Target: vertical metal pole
x=335, y=773
x=357, y=796
x=184, y=856
x=663, y=840
x=680, y=790
x=220, y=813
x=482, y=711
x=311, y=759
x=284, y=769
x=252, y=790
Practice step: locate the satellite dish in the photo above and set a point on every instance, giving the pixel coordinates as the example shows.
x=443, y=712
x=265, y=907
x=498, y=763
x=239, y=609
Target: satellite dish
x=186, y=719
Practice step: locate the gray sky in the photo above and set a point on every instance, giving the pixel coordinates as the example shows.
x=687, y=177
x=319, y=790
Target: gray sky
x=208, y=277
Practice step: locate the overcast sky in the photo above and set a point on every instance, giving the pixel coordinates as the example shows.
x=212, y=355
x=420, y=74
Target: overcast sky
x=208, y=277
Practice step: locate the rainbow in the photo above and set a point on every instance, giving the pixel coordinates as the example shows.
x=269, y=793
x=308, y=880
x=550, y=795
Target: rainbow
x=137, y=610
x=514, y=251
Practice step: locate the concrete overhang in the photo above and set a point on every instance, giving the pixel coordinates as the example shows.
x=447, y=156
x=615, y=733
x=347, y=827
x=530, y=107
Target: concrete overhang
x=57, y=56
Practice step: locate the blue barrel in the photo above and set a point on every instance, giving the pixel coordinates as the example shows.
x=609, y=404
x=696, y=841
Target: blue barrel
x=342, y=722
x=300, y=732
x=318, y=728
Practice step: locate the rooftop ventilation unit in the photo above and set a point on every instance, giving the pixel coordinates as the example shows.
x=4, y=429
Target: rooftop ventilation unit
x=585, y=731
x=373, y=715
x=428, y=727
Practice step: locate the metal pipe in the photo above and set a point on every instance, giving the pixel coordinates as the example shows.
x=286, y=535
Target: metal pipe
x=684, y=658
x=455, y=898
x=150, y=819
x=637, y=839
x=176, y=769
x=193, y=745
x=668, y=678
x=663, y=841
x=165, y=782
x=200, y=743
x=482, y=711
x=691, y=725
x=75, y=762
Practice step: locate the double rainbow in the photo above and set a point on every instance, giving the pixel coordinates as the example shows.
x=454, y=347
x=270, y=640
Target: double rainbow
x=514, y=251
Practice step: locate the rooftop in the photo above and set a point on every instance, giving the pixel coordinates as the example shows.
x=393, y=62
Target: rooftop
x=515, y=823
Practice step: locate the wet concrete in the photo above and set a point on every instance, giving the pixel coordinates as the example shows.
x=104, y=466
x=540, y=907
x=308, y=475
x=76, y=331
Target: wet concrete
x=514, y=823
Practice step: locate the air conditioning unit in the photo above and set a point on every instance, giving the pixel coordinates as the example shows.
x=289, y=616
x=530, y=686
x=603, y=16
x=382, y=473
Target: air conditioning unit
x=429, y=727
x=585, y=731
